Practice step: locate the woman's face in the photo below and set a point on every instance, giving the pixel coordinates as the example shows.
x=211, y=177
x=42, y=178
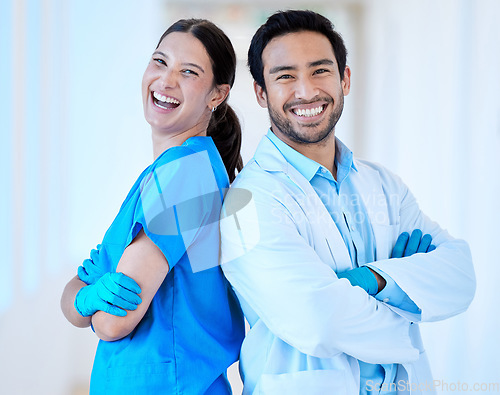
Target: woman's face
x=177, y=87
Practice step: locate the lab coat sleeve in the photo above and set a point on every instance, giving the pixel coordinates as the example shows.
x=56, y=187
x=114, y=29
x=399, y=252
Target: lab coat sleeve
x=279, y=275
x=441, y=282
x=392, y=294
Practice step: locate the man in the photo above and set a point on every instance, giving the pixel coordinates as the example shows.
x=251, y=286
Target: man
x=309, y=257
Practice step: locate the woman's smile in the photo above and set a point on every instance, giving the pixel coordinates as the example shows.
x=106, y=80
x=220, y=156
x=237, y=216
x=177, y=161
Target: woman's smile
x=164, y=102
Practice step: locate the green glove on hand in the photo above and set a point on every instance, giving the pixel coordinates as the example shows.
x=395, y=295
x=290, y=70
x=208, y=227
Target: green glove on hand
x=113, y=293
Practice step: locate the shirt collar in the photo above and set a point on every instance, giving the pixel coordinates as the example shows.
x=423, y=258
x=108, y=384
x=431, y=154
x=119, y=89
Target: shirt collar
x=344, y=159
x=308, y=167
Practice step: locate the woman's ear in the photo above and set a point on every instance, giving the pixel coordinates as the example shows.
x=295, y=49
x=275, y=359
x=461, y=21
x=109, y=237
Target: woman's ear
x=220, y=94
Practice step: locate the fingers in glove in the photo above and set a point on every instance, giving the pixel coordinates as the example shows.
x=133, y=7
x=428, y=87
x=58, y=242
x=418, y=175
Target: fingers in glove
x=424, y=243
x=119, y=284
x=127, y=302
x=400, y=246
x=83, y=275
x=127, y=282
x=111, y=309
x=94, y=255
x=413, y=243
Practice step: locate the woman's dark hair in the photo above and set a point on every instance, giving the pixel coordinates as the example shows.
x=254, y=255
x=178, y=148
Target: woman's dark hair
x=293, y=21
x=224, y=126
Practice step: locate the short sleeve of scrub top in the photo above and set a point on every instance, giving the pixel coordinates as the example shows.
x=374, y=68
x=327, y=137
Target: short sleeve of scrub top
x=179, y=196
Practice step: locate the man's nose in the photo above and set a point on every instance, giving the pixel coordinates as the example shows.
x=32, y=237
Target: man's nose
x=305, y=89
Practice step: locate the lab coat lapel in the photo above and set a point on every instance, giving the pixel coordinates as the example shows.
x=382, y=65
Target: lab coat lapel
x=369, y=186
x=316, y=209
x=269, y=158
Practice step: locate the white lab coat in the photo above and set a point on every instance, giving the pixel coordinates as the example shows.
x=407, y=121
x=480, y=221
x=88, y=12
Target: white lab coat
x=308, y=328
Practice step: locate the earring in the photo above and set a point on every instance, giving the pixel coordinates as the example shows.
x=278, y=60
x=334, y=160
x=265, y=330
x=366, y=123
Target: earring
x=214, y=108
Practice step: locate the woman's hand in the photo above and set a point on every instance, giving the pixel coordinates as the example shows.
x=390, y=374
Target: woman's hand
x=143, y=261
x=113, y=293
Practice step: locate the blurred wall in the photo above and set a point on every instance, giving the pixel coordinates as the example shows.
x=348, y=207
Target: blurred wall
x=432, y=98
x=71, y=115
x=424, y=102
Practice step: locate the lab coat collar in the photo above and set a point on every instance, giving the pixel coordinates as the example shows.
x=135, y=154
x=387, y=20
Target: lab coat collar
x=368, y=184
x=306, y=166
x=270, y=159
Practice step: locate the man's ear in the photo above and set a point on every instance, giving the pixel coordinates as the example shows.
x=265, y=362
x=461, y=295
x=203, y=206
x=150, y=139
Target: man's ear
x=220, y=94
x=260, y=94
x=346, y=82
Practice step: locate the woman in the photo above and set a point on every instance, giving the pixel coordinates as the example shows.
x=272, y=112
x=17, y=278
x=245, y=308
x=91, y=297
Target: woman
x=186, y=327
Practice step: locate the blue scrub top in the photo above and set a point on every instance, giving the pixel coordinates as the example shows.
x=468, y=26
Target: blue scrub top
x=193, y=329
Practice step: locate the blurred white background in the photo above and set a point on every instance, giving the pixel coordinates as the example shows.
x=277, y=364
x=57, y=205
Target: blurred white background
x=425, y=102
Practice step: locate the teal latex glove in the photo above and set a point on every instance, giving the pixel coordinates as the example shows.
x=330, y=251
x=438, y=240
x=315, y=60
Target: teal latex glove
x=407, y=245
x=113, y=293
x=362, y=277
x=90, y=271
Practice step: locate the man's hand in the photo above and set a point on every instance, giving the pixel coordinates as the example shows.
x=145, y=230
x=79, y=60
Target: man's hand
x=406, y=245
x=113, y=293
x=363, y=277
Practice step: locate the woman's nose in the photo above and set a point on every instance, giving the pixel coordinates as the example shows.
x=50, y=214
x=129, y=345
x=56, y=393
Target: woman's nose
x=168, y=79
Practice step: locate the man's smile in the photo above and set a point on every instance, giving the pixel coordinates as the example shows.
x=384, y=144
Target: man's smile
x=308, y=111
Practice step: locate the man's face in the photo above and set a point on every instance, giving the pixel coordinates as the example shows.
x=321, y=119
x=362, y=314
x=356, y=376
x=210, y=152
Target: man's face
x=304, y=93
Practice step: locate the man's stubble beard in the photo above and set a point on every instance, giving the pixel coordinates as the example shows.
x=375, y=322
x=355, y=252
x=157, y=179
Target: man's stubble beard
x=285, y=126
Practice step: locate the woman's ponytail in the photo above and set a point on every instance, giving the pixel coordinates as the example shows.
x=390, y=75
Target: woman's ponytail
x=225, y=130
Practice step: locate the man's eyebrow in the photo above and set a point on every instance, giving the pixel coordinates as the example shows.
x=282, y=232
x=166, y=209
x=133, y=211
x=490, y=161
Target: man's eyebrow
x=184, y=64
x=321, y=62
x=278, y=69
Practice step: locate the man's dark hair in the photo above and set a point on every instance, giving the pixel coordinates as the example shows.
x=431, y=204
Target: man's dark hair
x=293, y=21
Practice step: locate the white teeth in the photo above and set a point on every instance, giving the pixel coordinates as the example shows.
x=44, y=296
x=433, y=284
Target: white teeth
x=165, y=99
x=310, y=112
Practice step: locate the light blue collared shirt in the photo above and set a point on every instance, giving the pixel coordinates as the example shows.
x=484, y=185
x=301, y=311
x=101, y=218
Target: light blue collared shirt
x=347, y=210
